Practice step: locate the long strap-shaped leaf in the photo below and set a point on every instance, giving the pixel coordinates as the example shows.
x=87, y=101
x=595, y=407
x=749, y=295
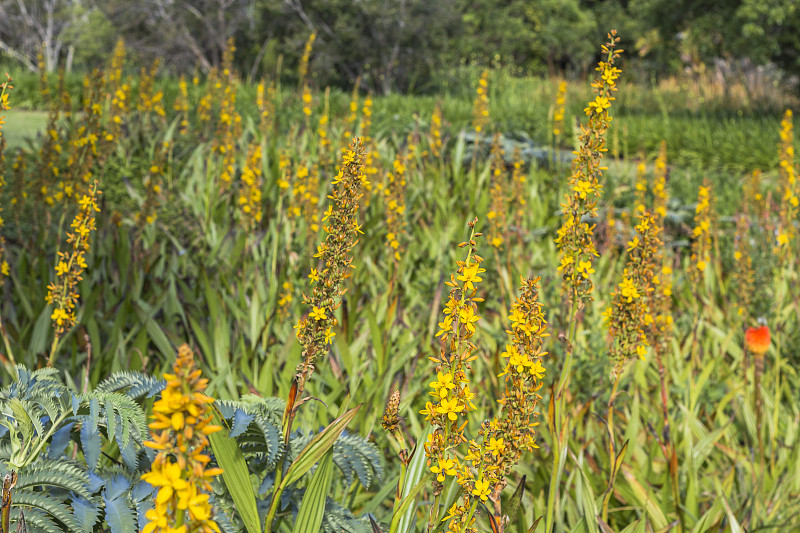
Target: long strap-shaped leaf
x=235, y=474
x=312, y=508
x=402, y=520
x=308, y=457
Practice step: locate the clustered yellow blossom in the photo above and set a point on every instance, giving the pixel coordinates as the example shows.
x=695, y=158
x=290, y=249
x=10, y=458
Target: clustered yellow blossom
x=285, y=297
x=630, y=317
x=340, y=222
x=435, y=135
x=323, y=132
x=180, y=471
x=452, y=397
x=659, y=185
x=62, y=292
x=265, y=101
x=395, y=206
x=790, y=204
x=4, y=88
x=308, y=101
x=519, y=199
x=498, y=207
x=305, y=197
x=640, y=189
x=480, y=108
x=511, y=432
x=250, y=190
x=351, y=119
x=181, y=105
x=153, y=181
x=661, y=302
x=560, y=109
x=702, y=233
x=284, y=175
x=88, y=141
x=149, y=101
x=229, y=129
x=575, y=238
x=744, y=274
x=302, y=69
x=366, y=121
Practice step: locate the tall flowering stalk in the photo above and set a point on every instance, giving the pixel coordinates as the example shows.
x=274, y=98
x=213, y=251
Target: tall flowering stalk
x=702, y=233
x=5, y=270
x=480, y=107
x=352, y=117
x=153, y=181
x=340, y=223
x=575, y=239
x=498, y=209
x=180, y=470
x=519, y=200
x=790, y=204
x=62, y=292
x=181, y=105
x=630, y=319
x=395, y=206
x=323, y=133
x=4, y=87
x=452, y=398
x=265, y=101
x=511, y=431
x=757, y=341
x=660, y=303
x=559, y=111
x=435, y=133
x=250, y=191
x=302, y=69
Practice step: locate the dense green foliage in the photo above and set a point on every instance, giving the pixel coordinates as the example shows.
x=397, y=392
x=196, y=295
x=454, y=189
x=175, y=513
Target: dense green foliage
x=410, y=45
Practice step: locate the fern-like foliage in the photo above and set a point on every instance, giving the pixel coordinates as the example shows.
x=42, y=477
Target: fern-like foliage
x=44, y=424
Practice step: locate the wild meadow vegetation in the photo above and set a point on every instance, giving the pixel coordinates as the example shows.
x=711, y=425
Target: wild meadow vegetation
x=524, y=305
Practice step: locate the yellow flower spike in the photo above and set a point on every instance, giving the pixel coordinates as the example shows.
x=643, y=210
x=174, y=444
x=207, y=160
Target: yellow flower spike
x=179, y=470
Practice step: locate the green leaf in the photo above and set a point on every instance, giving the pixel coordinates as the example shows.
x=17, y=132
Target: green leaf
x=318, y=447
x=403, y=522
x=235, y=474
x=312, y=508
x=405, y=505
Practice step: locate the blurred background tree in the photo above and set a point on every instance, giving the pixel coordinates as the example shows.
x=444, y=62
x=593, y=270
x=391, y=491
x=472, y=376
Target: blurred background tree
x=404, y=45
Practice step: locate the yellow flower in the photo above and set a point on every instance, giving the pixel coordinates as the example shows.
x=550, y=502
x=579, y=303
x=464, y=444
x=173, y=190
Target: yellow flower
x=496, y=446
x=450, y=407
x=318, y=313
x=442, y=385
x=481, y=489
x=444, y=467
x=470, y=276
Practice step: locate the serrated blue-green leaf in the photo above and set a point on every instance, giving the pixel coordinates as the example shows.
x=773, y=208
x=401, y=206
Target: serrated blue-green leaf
x=118, y=513
x=241, y=421
x=46, y=503
x=60, y=440
x=54, y=473
x=86, y=513
x=91, y=444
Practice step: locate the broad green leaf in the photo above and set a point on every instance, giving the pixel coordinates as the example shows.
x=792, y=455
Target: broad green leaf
x=317, y=448
x=414, y=473
x=235, y=474
x=312, y=508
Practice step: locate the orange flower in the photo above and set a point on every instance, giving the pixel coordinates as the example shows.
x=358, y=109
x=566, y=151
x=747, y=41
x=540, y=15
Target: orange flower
x=757, y=340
